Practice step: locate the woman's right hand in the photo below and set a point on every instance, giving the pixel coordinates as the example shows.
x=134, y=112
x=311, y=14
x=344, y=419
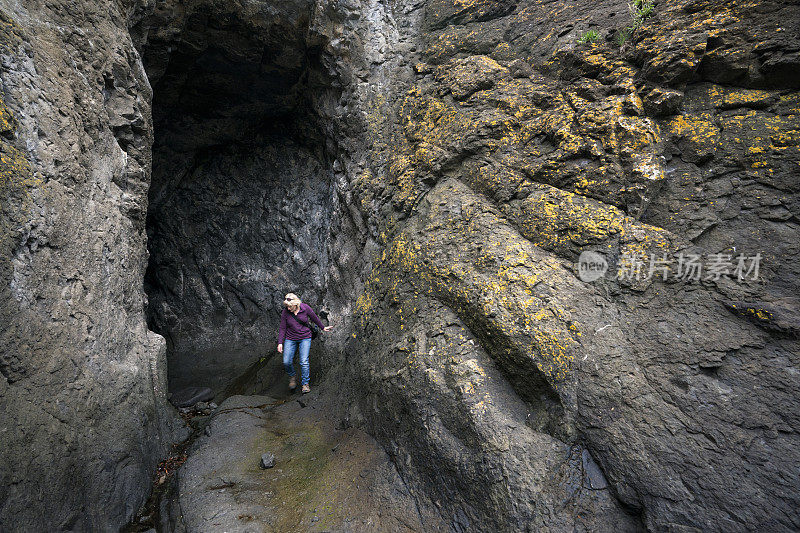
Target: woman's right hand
x=280, y=348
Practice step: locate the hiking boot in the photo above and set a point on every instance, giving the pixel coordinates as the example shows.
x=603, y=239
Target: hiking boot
x=306, y=388
x=292, y=383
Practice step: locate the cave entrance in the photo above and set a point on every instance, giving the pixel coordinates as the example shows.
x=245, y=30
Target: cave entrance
x=240, y=198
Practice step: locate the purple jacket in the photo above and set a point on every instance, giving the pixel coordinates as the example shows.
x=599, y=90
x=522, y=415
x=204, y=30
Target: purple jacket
x=291, y=327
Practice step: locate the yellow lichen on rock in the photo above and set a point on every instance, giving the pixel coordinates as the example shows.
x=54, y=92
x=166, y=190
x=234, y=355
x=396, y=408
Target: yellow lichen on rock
x=495, y=292
x=698, y=133
x=15, y=169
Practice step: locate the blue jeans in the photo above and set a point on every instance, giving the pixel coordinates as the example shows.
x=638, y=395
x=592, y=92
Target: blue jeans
x=289, y=346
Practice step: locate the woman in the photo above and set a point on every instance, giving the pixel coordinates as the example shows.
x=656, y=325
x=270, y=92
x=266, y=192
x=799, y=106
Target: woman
x=295, y=332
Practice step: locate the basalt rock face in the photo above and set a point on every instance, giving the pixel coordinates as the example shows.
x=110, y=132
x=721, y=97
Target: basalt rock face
x=450, y=160
x=82, y=380
x=511, y=391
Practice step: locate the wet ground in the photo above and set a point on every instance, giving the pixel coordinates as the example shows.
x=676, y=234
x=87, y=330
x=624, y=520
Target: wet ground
x=325, y=478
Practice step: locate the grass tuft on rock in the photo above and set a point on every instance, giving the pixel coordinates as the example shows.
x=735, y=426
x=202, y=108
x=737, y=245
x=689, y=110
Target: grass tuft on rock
x=588, y=37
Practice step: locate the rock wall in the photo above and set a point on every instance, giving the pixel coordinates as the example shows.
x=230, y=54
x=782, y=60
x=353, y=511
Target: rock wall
x=82, y=380
x=511, y=392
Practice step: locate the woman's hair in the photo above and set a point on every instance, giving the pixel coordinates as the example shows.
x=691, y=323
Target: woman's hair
x=291, y=300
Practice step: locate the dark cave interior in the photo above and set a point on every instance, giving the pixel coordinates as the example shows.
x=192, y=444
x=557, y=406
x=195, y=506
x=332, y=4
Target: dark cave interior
x=240, y=199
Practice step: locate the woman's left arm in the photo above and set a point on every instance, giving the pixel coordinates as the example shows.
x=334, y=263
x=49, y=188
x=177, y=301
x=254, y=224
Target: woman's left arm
x=316, y=319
